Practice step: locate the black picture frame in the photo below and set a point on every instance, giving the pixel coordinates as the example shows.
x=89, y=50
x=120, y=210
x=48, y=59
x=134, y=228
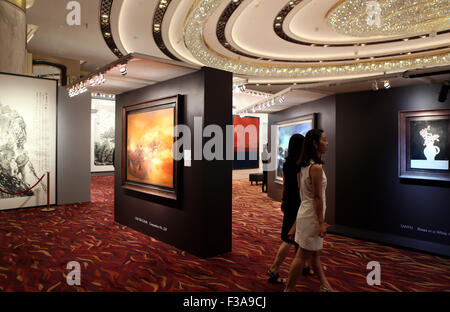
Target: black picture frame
x=408, y=124
x=298, y=120
x=172, y=193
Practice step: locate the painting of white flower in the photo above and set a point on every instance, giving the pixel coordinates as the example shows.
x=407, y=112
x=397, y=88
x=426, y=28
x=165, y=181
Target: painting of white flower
x=429, y=144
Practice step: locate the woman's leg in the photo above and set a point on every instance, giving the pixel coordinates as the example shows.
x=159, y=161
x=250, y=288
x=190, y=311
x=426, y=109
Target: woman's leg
x=283, y=251
x=296, y=269
x=318, y=268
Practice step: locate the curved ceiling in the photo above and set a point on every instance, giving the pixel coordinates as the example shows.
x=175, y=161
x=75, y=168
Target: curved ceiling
x=260, y=40
x=56, y=38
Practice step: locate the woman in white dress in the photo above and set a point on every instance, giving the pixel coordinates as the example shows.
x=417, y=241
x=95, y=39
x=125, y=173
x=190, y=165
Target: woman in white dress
x=310, y=228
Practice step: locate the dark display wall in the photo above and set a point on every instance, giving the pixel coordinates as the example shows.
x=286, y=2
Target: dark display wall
x=73, y=148
x=200, y=221
x=369, y=194
x=325, y=108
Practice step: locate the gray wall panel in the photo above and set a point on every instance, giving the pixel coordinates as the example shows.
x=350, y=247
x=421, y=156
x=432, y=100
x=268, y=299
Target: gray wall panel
x=73, y=148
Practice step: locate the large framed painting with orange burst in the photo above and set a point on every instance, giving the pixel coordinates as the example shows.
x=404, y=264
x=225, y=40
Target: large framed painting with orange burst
x=147, y=162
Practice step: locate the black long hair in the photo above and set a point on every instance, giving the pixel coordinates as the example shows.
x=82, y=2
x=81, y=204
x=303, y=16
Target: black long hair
x=295, y=148
x=309, y=150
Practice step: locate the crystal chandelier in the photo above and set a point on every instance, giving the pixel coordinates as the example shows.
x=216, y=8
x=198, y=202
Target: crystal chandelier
x=362, y=18
x=203, y=9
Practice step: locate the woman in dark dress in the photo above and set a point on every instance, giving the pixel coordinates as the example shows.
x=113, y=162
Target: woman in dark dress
x=290, y=204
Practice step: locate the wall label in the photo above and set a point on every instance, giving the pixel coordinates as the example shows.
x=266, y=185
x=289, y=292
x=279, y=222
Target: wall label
x=423, y=229
x=160, y=227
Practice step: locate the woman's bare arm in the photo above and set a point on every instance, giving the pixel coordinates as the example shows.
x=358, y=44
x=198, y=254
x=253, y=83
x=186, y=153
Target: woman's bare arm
x=316, y=179
x=283, y=196
x=299, y=177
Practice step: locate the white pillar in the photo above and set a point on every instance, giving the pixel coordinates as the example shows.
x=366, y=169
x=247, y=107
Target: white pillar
x=13, y=29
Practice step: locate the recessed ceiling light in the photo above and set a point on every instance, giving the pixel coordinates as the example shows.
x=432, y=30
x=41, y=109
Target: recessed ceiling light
x=123, y=69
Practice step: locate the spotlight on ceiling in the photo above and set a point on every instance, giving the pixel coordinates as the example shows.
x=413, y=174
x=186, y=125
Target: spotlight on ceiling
x=386, y=84
x=444, y=91
x=242, y=88
x=123, y=69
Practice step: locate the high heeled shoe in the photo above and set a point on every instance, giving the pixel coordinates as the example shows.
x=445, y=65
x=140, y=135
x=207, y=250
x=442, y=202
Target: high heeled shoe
x=325, y=289
x=275, y=278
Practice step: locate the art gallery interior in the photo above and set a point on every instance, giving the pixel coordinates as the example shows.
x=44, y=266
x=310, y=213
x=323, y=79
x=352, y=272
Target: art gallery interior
x=96, y=97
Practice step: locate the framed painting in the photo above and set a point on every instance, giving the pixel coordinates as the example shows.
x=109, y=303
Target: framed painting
x=102, y=134
x=246, y=142
x=28, y=109
x=424, y=145
x=147, y=139
x=285, y=130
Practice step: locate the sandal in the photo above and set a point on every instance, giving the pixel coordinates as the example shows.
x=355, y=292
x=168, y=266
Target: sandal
x=274, y=278
x=307, y=271
x=325, y=289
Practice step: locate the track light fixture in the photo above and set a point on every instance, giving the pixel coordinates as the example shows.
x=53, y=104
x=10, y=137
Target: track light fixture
x=386, y=84
x=272, y=100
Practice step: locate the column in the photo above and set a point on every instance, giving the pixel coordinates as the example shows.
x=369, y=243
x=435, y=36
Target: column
x=13, y=29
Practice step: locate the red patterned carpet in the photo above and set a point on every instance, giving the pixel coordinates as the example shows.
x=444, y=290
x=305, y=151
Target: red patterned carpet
x=35, y=248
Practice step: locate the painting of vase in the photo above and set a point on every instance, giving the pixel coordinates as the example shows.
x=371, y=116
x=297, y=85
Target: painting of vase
x=429, y=144
x=431, y=151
